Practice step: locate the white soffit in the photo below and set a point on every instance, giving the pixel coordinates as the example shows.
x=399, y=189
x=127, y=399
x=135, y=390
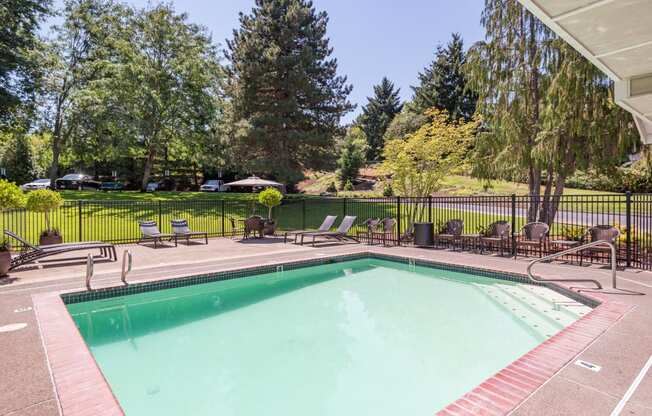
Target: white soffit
x=616, y=36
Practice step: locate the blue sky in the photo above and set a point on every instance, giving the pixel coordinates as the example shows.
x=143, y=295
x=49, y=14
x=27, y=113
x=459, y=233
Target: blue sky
x=371, y=38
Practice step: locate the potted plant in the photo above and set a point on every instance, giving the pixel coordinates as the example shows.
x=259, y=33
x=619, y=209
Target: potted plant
x=270, y=198
x=45, y=200
x=11, y=197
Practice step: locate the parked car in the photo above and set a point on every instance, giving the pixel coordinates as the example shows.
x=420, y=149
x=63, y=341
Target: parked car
x=111, y=186
x=213, y=185
x=152, y=187
x=77, y=181
x=36, y=184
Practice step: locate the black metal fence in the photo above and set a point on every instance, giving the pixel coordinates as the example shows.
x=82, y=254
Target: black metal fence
x=117, y=220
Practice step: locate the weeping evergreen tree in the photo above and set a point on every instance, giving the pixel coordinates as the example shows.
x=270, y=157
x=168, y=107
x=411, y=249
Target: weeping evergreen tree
x=581, y=125
x=287, y=97
x=378, y=114
x=507, y=72
x=546, y=110
x=443, y=84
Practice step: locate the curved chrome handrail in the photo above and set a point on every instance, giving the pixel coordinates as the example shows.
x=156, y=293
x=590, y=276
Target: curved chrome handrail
x=89, y=270
x=537, y=279
x=126, y=265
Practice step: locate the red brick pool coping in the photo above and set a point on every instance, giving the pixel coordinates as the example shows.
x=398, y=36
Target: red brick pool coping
x=82, y=390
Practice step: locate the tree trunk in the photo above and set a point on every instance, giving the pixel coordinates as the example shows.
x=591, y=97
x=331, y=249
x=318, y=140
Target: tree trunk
x=560, y=183
x=545, y=204
x=147, y=171
x=534, y=188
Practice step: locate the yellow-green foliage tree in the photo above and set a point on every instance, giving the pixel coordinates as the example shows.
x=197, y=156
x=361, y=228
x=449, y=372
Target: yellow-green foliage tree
x=45, y=201
x=270, y=198
x=419, y=162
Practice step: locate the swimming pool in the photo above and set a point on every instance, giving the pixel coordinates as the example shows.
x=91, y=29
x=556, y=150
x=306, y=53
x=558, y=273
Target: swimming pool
x=350, y=337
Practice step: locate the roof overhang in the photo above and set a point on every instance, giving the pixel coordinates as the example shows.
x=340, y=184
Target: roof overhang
x=616, y=36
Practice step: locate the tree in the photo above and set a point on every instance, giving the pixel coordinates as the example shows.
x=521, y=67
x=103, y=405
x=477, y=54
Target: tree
x=352, y=155
x=20, y=22
x=18, y=159
x=44, y=201
x=270, y=198
x=406, y=122
x=442, y=84
x=378, y=114
x=507, y=71
x=581, y=128
x=286, y=94
x=162, y=94
x=70, y=62
x=418, y=162
x=546, y=109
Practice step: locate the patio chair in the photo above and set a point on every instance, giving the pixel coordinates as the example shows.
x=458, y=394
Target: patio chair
x=149, y=232
x=180, y=229
x=252, y=225
x=452, y=233
x=370, y=227
x=387, y=225
x=339, y=235
x=606, y=233
x=532, y=235
x=326, y=225
x=498, y=234
x=31, y=252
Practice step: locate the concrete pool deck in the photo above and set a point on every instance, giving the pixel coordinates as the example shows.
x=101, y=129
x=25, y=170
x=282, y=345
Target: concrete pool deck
x=621, y=350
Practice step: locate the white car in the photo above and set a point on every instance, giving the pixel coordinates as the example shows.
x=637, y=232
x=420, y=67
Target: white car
x=36, y=184
x=213, y=185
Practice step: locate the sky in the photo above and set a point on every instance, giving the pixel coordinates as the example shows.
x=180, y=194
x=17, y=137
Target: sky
x=371, y=38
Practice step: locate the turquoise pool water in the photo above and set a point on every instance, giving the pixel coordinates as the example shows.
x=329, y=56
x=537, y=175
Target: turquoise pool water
x=358, y=337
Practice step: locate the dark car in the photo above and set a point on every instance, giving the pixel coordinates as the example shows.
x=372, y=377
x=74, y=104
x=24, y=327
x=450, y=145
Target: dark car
x=111, y=186
x=77, y=181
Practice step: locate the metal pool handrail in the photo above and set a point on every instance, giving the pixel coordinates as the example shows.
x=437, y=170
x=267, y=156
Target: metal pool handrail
x=89, y=270
x=127, y=261
x=537, y=279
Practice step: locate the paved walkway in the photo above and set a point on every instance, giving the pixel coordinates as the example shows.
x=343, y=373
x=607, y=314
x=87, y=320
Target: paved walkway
x=622, y=351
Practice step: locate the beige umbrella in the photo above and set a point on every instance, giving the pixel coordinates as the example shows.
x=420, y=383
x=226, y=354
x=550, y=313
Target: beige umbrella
x=256, y=182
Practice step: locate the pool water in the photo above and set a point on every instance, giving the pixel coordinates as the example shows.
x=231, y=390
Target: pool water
x=358, y=337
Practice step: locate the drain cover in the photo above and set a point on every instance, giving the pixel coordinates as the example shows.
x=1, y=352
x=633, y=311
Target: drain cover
x=589, y=366
x=12, y=327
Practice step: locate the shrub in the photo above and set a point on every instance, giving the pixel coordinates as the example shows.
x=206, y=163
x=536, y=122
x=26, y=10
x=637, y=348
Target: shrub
x=44, y=200
x=348, y=186
x=270, y=198
x=572, y=232
x=10, y=196
x=332, y=188
x=387, y=190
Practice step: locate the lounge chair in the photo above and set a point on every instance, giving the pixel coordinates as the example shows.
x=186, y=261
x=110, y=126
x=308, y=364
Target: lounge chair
x=181, y=230
x=32, y=252
x=532, y=235
x=149, y=232
x=326, y=225
x=339, y=235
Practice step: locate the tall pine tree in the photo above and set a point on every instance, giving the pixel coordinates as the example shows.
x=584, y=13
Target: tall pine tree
x=443, y=85
x=287, y=97
x=378, y=114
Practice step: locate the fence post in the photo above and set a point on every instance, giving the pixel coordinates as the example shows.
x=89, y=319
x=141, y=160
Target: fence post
x=79, y=213
x=223, y=218
x=429, y=208
x=513, y=224
x=160, y=215
x=344, y=206
x=303, y=214
x=398, y=220
x=628, y=219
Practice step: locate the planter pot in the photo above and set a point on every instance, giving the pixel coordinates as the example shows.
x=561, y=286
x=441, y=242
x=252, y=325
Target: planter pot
x=270, y=227
x=5, y=262
x=49, y=239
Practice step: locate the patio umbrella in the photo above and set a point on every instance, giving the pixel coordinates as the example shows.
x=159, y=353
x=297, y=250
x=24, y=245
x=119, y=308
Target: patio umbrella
x=256, y=182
